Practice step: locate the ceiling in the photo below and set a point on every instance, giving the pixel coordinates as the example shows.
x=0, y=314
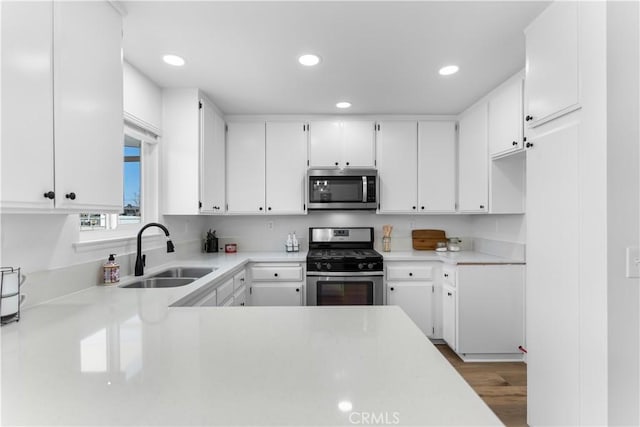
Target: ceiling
x=382, y=56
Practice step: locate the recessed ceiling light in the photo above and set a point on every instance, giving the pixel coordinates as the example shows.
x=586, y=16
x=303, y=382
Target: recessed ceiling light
x=174, y=60
x=448, y=70
x=309, y=60
x=343, y=104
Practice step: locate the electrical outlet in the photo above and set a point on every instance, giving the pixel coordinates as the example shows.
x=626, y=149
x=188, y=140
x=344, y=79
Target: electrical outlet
x=269, y=225
x=633, y=262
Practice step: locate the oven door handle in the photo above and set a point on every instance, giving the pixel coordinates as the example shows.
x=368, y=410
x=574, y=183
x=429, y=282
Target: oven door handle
x=345, y=274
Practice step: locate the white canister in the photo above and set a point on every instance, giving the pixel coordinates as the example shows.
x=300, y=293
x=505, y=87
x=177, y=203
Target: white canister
x=10, y=282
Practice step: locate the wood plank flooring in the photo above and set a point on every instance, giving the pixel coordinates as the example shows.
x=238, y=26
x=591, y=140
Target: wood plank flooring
x=503, y=386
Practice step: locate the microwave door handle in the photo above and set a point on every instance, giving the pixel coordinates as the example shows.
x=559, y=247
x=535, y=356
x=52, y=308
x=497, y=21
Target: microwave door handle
x=364, y=189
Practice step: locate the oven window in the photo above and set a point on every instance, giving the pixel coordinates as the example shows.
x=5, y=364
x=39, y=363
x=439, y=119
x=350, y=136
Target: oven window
x=344, y=293
x=330, y=189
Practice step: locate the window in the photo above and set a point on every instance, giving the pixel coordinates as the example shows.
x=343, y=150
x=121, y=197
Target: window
x=139, y=186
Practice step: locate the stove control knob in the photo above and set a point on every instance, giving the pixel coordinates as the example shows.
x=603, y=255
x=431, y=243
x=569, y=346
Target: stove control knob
x=360, y=266
x=319, y=265
x=370, y=266
x=328, y=266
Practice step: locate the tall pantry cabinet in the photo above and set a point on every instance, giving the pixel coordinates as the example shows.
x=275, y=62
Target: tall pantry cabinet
x=62, y=119
x=565, y=116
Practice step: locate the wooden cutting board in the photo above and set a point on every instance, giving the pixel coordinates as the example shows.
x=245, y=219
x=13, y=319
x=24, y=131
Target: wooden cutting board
x=427, y=240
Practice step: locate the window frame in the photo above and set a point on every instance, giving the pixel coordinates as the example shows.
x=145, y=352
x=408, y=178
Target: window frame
x=149, y=189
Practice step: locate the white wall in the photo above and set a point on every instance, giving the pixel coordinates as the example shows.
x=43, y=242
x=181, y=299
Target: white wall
x=253, y=233
x=142, y=98
x=623, y=177
x=509, y=228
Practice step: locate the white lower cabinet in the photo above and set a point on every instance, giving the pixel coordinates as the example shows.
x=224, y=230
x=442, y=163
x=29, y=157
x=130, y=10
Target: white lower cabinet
x=449, y=316
x=483, y=310
x=225, y=293
x=410, y=286
x=276, y=284
x=276, y=294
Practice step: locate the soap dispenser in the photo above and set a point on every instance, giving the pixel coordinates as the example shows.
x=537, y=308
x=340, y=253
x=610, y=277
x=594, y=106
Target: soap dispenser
x=111, y=270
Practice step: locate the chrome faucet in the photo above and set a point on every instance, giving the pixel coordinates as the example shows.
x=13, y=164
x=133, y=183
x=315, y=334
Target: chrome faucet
x=140, y=259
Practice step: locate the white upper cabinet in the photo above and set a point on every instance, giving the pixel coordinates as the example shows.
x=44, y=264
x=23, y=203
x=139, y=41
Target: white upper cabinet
x=212, y=160
x=473, y=178
x=27, y=99
x=505, y=119
x=551, y=88
x=437, y=166
x=88, y=119
x=76, y=104
x=397, y=144
x=246, y=167
x=286, y=151
x=358, y=144
x=193, y=161
x=342, y=144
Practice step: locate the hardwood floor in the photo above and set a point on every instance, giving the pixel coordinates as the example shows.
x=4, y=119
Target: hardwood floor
x=503, y=386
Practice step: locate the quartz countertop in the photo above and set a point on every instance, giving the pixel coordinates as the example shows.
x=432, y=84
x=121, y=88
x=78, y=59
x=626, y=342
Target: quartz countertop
x=114, y=356
x=461, y=257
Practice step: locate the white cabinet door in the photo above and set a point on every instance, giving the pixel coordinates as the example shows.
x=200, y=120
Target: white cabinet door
x=358, y=142
x=276, y=294
x=397, y=144
x=212, y=160
x=286, y=167
x=239, y=280
x=473, y=161
x=240, y=297
x=436, y=166
x=553, y=303
x=246, y=167
x=27, y=105
x=552, y=62
x=416, y=300
x=449, y=316
x=325, y=144
x=505, y=119
x=342, y=144
x=88, y=120
x=490, y=308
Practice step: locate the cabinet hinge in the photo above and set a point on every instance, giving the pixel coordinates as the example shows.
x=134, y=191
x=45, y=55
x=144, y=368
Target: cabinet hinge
x=433, y=330
x=307, y=162
x=378, y=126
x=200, y=105
x=375, y=163
x=200, y=205
x=250, y=290
x=457, y=127
x=227, y=205
x=455, y=206
x=524, y=139
x=304, y=206
x=226, y=128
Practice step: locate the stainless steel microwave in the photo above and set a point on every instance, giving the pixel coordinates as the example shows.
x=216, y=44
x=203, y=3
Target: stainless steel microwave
x=339, y=189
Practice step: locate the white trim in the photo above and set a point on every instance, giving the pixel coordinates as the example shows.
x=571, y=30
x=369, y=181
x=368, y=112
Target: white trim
x=116, y=241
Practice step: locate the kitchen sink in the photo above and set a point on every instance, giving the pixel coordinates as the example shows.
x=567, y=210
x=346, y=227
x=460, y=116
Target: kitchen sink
x=160, y=282
x=192, y=272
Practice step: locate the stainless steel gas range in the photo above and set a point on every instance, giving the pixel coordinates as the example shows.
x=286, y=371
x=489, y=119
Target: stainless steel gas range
x=343, y=268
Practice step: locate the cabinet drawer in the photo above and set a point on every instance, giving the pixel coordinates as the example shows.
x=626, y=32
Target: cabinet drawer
x=409, y=272
x=239, y=280
x=240, y=296
x=224, y=291
x=449, y=275
x=209, y=300
x=277, y=273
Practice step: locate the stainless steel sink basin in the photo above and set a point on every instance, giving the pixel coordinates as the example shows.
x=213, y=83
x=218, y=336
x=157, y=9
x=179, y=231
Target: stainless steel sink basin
x=193, y=272
x=160, y=282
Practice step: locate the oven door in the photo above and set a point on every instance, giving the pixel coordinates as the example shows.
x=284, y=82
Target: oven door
x=344, y=289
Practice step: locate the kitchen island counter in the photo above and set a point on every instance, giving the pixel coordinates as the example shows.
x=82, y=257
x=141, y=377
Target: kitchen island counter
x=113, y=356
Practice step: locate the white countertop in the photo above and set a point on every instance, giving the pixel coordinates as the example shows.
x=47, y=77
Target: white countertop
x=114, y=356
x=462, y=257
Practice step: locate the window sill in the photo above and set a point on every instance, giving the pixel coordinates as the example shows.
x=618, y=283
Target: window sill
x=105, y=240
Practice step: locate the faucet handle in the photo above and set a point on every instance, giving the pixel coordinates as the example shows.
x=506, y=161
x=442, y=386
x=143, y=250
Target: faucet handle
x=144, y=260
